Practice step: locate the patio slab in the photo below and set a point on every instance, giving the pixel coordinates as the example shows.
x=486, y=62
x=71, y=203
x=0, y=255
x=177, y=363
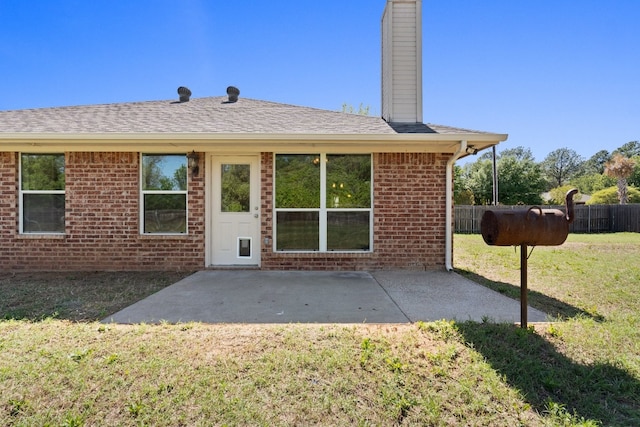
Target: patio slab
x=255, y=296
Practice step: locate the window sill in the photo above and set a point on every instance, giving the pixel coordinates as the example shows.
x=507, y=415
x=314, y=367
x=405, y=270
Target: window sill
x=40, y=236
x=165, y=236
x=326, y=253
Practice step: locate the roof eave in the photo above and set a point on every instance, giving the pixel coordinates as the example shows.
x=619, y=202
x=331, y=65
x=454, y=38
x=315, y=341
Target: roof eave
x=167, y=142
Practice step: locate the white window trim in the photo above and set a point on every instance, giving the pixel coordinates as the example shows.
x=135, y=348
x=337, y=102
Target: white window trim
x=322, y=210
x=23, y=192
x=144, y=192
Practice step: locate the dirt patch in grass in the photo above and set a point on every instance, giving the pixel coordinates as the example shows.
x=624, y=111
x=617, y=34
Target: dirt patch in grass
x=77, y=296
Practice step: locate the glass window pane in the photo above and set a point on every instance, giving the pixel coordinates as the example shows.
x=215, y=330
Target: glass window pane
x=164, y=172
x=348, y=181
x=297, y=231
x=43, y=171
x=165, y=213
x=43, y=213
x=236, y=188
x=348, y=231
x=297, y=181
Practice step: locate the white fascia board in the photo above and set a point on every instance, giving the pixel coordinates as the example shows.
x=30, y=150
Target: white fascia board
x=235, y=142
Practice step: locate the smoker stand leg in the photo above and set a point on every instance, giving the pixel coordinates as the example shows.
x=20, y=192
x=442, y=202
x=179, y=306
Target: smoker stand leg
x=523, y=286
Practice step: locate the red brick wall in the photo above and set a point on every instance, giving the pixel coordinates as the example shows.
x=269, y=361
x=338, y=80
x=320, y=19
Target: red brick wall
x=101, y=221
x=409, y=218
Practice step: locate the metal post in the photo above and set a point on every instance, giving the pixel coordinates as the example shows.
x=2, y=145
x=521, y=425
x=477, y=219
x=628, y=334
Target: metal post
x=523, y=286
x=495, y=178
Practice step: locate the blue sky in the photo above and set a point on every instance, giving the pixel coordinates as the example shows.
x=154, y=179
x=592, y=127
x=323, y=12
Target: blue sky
x=550, y=73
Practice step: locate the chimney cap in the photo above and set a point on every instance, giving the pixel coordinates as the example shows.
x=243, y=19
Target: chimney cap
x=184, y=93
x=232, y=93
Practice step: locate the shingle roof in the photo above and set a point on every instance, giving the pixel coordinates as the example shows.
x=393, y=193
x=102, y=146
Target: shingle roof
x=204, y=115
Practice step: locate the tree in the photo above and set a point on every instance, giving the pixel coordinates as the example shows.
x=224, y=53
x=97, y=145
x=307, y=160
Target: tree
x=520, y=180
x=590, y=183
x=629, y=150
x=479, y=180
x=609, y=196
x=634, y=179
x=561, y=165
x=462, y=195
x=362, y=110
x=621, y=168
x=520, y=153
x=558, y=195
x=595, y=164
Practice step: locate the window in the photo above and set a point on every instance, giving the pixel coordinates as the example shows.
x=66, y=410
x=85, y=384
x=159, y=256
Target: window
x=42, y=193
x=164, y=193
x=323, y=202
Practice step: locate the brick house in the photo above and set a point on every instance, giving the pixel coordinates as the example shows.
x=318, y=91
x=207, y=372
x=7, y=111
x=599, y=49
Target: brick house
x=193, y=183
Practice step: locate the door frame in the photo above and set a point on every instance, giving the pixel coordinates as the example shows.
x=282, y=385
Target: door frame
x=210, y=185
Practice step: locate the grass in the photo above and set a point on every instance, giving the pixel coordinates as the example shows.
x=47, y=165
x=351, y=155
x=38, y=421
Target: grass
x=591, y=275
x=77, y=296
x=583, y=369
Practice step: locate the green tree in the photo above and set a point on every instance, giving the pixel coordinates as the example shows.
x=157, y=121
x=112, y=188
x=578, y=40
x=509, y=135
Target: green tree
x=609, y=196
x=561, y=165
x=558, y=195
x=629, y=150
x=595, y=163
x=634, y=178
x=590, y=183
x=520, y=179
x=462, y=195
x=479, y=180
x=362, y=110
x=520, y=153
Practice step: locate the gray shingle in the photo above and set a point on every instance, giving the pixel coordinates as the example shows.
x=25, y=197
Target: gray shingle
x=203, y=115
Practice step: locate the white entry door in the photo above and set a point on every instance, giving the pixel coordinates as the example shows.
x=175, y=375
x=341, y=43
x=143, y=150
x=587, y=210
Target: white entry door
x=236, y=211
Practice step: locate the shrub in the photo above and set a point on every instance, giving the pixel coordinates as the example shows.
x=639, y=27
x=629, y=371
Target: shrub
x=609, y=196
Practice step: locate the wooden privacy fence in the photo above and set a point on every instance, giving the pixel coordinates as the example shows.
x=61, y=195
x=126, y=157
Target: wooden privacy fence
x=588, y=218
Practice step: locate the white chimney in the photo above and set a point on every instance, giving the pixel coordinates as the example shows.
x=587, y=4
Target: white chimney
x=402, y=61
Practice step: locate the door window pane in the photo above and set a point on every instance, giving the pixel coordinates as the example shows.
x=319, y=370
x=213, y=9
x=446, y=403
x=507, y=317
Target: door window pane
x=298, y=231
x=297, y=181
x=236, y=188
x=348, y=231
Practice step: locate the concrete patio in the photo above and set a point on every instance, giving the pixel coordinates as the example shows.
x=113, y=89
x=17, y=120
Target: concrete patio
x=254, y=296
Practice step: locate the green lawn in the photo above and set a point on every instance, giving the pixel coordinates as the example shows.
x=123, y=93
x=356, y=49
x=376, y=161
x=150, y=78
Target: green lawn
x=583, y=369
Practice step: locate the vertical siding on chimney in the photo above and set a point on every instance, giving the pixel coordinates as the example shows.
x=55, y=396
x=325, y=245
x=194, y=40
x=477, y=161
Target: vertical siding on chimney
x=402, y=61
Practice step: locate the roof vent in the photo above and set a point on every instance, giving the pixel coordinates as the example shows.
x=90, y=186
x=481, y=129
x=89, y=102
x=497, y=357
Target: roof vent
x=184, y=93
x=233, y=93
